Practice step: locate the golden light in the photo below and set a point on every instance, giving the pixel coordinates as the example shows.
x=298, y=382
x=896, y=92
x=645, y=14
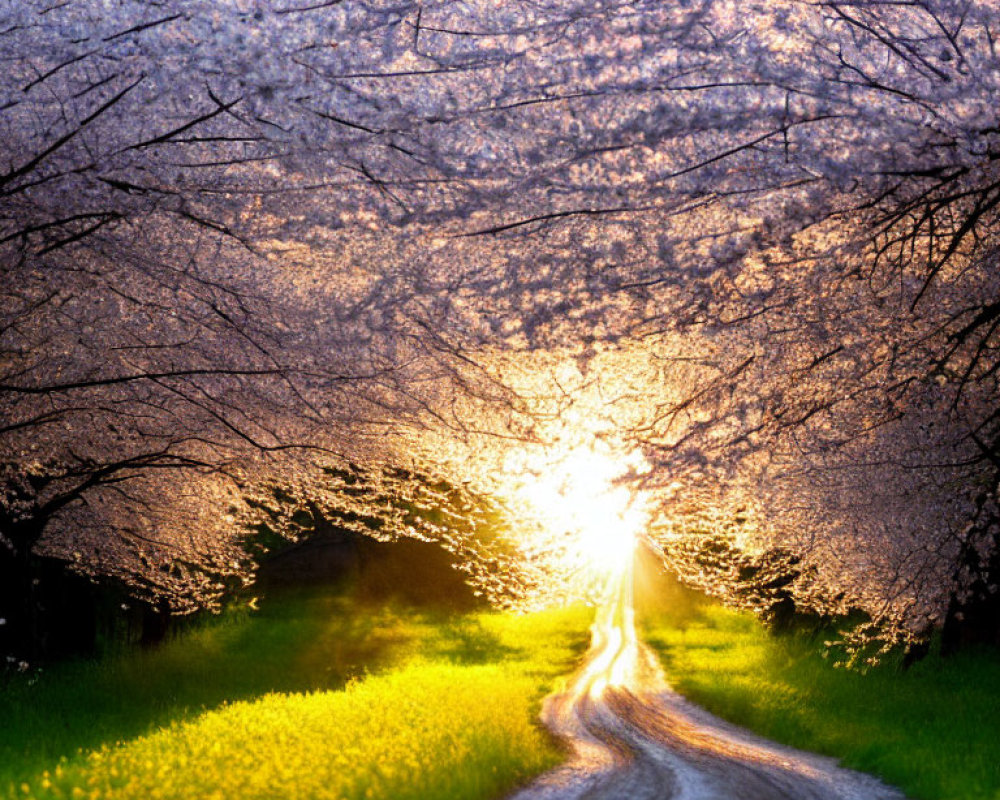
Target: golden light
x=590, y=519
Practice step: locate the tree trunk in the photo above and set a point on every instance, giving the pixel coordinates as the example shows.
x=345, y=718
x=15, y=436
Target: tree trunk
x=976, y=620
x=20, y=635
x=155, y=624
x=18, y=607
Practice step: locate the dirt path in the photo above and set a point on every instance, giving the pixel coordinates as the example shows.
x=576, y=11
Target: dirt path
x=633, y=738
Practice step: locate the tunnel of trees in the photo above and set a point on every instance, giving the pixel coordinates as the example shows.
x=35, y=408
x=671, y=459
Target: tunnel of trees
x=264, y=261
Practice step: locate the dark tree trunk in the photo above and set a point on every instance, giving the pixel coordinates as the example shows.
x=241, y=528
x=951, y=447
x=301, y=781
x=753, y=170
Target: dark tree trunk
x=47, y=612
x=155, y=624
x=18, y=607
x=975, y=620
x=781, y=613
x=974, y=623
x=917, y=652
x=66, y=609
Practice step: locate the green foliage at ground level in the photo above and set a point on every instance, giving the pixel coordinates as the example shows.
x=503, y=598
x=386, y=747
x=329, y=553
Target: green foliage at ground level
x=933, y=731
x=312, y=697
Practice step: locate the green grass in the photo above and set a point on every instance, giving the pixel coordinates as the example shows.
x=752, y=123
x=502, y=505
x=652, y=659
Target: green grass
x=316, y=696
x=933, y=731
x=312, y=697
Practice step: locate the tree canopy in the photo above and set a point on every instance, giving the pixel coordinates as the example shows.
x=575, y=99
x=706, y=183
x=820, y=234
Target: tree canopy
x=359, y=258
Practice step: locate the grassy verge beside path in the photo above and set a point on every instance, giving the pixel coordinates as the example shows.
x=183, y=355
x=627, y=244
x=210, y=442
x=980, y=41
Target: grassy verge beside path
x=933, y=731
x=310, y=698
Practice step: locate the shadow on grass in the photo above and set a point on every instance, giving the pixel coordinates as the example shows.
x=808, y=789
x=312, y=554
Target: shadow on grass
x=466, y=641
x=299, y=642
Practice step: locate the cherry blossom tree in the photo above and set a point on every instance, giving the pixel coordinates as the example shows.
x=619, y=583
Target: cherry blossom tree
x=266, y=250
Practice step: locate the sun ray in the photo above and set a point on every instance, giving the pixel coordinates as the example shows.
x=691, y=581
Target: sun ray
x=586, y=520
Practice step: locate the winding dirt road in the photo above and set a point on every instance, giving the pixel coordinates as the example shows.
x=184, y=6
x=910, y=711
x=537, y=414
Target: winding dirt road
x=633, y=738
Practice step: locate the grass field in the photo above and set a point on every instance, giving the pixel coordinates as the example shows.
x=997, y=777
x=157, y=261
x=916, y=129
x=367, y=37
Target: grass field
x=933, y=731
x=318, y=696
x=311, y=697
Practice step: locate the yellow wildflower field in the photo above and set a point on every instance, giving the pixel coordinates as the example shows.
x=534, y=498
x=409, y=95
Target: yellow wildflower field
x=433, y=727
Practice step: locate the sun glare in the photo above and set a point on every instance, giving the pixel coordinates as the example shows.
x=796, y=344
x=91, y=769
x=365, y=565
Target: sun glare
x=586, y=515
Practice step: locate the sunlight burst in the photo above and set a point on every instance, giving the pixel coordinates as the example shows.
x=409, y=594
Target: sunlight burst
x=585, y=514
